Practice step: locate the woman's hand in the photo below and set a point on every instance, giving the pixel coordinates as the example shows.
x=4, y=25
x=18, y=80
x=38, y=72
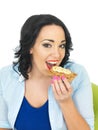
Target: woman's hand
x=61, y=88
x=62, y=92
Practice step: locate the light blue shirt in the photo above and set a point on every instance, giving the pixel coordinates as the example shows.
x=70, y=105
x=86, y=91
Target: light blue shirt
x=12, y=87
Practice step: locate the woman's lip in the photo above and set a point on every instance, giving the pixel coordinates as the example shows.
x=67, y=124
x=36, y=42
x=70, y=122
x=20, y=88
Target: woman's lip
x=52, y=60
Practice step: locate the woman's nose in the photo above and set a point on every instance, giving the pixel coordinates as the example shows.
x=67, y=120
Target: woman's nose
x=56, y=53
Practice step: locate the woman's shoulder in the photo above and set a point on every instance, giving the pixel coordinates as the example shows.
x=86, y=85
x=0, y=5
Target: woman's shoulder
x=7, y=72
x=6, y=69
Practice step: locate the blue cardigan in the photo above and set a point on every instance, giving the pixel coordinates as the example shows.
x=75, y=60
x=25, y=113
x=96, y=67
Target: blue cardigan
x=12, y=93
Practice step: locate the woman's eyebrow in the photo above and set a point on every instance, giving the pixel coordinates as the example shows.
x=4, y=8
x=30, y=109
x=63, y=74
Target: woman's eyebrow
x=50, y=40
x=63, y=41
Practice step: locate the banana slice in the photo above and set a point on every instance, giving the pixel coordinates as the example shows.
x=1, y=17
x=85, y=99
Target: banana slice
x=59, y=71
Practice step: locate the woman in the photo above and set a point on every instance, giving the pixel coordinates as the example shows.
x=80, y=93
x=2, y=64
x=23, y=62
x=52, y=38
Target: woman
x=32, y=99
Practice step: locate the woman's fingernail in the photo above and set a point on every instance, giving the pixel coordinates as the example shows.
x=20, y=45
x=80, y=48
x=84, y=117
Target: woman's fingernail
x=63, y=77
x=55, y=77
x=58, y=78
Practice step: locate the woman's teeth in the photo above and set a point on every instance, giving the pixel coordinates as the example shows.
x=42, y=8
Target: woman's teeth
x=52, y=63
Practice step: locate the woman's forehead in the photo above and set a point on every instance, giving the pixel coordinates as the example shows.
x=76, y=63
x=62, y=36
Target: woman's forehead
x=51, y=32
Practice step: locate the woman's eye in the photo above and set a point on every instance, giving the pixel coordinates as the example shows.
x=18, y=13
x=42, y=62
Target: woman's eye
x=47, y=45
x=62, y=46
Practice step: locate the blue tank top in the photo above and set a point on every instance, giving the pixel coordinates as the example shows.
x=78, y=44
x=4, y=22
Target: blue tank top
x=31, y=118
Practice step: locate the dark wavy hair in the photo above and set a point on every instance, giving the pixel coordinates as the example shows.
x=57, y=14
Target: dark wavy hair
x=29, y=34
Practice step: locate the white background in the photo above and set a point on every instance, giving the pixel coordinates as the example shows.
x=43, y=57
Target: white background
x=80, y=16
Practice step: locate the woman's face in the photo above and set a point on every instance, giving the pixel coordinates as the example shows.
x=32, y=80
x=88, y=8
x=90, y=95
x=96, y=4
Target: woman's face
x=49, y=49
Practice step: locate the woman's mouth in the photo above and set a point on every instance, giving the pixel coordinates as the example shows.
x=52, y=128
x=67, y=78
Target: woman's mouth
x=50, y=64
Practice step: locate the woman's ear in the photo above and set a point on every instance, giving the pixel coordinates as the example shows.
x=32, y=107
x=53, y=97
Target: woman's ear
x=31, y=51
